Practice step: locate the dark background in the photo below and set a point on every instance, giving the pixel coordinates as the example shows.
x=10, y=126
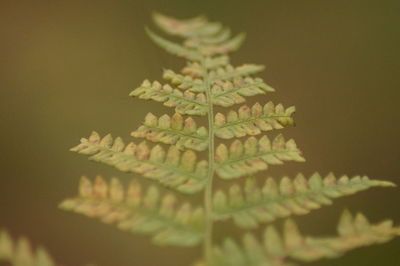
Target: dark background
x=68, y=66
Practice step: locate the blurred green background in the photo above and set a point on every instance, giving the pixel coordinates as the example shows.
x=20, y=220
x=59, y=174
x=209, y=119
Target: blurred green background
x=68, y=66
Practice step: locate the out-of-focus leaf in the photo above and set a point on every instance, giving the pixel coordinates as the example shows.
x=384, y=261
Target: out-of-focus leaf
x=137, y=210
x=278, y=249
x=21, y=253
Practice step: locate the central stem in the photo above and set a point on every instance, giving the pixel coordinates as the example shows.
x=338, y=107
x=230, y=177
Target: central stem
x=208, y=191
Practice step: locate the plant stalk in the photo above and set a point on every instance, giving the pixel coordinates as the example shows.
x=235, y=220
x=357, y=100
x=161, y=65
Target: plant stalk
x=208, y=207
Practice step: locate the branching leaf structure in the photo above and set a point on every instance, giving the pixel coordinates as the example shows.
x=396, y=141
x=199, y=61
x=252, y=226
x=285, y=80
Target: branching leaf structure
x=20, y=253
x=275, y=247
x=236, y=147
x=138, y=210
x=252, y=204
x=173, y=130
x=252, y=156
x=171, y=168
x=251, y=121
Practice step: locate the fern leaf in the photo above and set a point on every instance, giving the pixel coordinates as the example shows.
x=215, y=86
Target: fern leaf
x=276, y=248
x=184, y=102
x=20, y=252
x=174, y=48
x=173, y=130
x=253, y=205
x=252, y=121
x=226, y=93
x=254, y=155
x=172, y=168
x=139, y=211
x=224, y=47
x=229, y=72
x=196, y=70
x=220, y=37
x=184, y=82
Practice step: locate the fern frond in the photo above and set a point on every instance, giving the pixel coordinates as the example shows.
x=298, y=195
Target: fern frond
x=185, y=102
x=209, y=80
x=171, y=168
x=252, y=121
x=20, y=252
x=173, y=130
x=136, y=210
x=250, y=206
x=276, y=248
x=254, y=155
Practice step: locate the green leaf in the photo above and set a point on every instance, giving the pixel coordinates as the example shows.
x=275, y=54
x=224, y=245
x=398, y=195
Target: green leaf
x=185, y=102
x=21, y=253
x=173, y=130
x=279, y=249
x=254, y=155
x=136, y=210
x=174, y=48
x=252, y=205
x=252, y=121
x=171, y=168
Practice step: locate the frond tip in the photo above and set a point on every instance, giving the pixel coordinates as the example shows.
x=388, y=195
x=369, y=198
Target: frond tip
x=174, y=48
x=136, y=210
x=254, y=155
x=277, y=248
x=20, y=252
x=208, y=38
x=173, y=130
x=250, y=206
x=172, y=168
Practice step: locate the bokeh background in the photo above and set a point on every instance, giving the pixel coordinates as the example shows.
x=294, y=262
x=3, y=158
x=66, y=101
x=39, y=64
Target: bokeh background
x=68, y=66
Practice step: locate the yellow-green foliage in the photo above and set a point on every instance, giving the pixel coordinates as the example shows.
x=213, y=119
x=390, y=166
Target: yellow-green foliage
x=209, y=80
x=20, y=252
x=173, y=130
x=254, y=204
x=171, y=168
x=253, y=155
x=252, y=121
x=275, y=248
x=139, y=210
